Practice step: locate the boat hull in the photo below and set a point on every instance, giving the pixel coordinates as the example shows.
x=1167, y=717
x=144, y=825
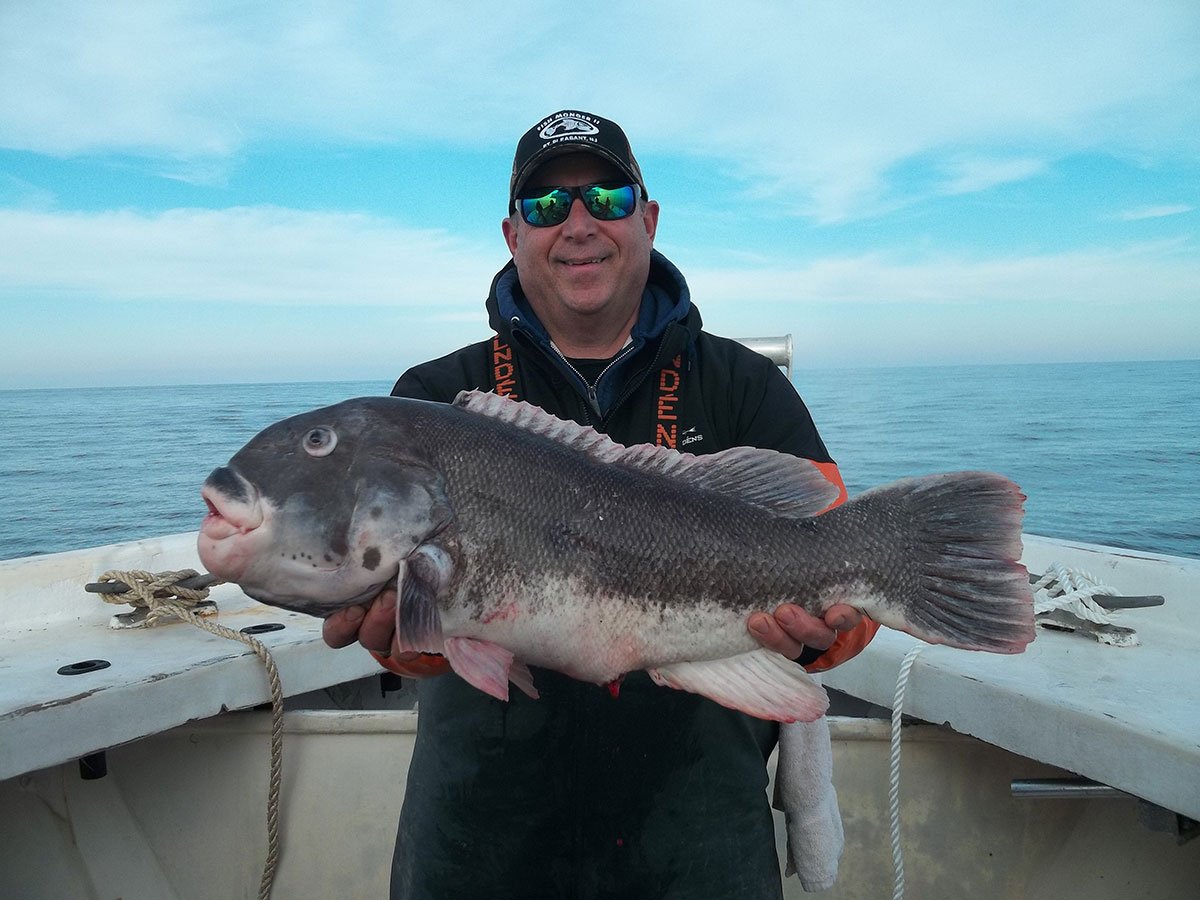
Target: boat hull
x=181, y=816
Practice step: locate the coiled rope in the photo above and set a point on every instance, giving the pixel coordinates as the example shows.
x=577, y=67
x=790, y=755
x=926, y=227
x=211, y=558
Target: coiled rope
x=894, y=779
x=162, y=596
x=1073, y=590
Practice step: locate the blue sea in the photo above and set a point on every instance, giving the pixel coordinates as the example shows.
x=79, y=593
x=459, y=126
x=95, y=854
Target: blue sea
x=1106, y=452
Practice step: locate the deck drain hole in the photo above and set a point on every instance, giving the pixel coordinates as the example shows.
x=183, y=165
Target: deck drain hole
x=263, y=628
x=86, y=665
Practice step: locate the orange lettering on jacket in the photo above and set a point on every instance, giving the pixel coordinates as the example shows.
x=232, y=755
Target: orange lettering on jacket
x=503, y=369
x=666, y=431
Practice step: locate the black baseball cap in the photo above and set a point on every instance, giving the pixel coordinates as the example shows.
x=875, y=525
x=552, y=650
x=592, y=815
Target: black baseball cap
x=572, y=131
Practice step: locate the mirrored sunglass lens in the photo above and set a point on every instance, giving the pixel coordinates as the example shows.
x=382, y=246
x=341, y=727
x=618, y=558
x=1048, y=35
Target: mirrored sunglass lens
x=549, y=209
x=610, y=202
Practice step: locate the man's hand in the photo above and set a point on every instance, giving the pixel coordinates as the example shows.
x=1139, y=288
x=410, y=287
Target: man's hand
x=791, y=628
x=374, y=626
x=371, y=624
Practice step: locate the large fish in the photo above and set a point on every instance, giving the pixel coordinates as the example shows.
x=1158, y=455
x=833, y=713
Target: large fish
x=520, y=539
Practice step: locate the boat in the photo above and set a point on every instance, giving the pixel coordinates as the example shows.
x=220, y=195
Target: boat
x=135, y=761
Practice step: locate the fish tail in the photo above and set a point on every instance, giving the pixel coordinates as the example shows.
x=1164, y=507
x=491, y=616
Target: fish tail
x=963, y=584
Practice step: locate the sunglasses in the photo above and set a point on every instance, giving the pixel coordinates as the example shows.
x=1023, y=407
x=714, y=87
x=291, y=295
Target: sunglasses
x=606, y=201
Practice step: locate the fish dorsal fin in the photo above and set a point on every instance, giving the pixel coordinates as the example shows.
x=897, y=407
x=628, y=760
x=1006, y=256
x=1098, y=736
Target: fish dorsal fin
x=536, y=420
x=778, y=482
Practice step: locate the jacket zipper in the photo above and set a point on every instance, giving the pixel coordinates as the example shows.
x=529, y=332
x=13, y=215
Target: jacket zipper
x=592, y=397
x=593, y=402
x=518, y=331
x=656, y=363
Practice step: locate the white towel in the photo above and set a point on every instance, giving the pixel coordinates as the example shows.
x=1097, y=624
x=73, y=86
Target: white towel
x=804, y=793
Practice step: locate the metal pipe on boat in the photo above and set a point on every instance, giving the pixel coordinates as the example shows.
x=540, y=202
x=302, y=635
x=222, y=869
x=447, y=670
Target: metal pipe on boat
x=777, y=349
x=1062, y=789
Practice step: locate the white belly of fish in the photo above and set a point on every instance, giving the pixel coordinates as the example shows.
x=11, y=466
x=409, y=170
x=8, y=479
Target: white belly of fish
x=702, y=649
x=597, y=638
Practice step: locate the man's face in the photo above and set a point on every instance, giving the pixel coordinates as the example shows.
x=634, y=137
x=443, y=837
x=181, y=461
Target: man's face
x=584, y=266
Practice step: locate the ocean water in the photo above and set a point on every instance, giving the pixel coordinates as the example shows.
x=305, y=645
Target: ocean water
x=1106, y=452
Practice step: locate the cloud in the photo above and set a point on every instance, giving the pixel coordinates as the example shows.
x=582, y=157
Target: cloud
x=879, y=309
x=829, y=105
x=195, y=81
x=270, y=255
x=1164, y=272
x=818, y=103
x=1155, y=212
x=21, y=193
x=265, y=293
x=967, y=176
x=244, y=254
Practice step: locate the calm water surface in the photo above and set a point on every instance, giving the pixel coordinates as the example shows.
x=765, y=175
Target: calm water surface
x=1107, y=452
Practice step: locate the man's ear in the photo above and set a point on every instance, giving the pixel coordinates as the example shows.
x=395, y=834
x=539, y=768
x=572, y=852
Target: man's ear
x=650, y=218
x=509, y=226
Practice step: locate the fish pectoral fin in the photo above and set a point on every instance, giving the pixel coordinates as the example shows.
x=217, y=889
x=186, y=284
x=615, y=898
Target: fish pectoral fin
x=520, y=675
x=488, y=667
x=418, y=619
x=760, y=683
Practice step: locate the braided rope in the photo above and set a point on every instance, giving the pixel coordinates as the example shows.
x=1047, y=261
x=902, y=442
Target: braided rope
x=162, y=597
x=894, y=780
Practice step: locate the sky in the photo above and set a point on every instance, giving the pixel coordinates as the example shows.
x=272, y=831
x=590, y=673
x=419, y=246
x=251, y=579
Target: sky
x=225, y=192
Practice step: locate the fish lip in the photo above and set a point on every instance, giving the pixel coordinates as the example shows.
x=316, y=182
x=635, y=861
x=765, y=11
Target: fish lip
x=232, y=529
x=226, y=516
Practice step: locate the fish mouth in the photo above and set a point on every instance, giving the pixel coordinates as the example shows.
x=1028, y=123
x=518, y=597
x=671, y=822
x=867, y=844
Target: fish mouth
x=229, y=515
x=232, y=530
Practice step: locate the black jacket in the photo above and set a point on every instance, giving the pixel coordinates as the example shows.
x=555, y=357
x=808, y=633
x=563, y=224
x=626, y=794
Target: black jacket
x=654, y=793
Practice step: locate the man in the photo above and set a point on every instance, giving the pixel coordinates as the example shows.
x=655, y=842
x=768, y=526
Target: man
x=654, y=793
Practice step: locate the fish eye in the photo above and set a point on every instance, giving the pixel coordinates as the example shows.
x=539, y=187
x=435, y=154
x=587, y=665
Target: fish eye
x=320, y=441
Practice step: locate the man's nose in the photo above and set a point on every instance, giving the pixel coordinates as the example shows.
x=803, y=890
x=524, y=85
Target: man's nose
x=579, y=222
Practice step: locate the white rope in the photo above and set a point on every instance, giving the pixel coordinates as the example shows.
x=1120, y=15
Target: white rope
x=1074, y=591
x=894, y=785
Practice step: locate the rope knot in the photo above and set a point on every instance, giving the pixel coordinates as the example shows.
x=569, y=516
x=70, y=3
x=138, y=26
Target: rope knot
x=1065, y=599
x=160, y=594
x=1073, y=590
